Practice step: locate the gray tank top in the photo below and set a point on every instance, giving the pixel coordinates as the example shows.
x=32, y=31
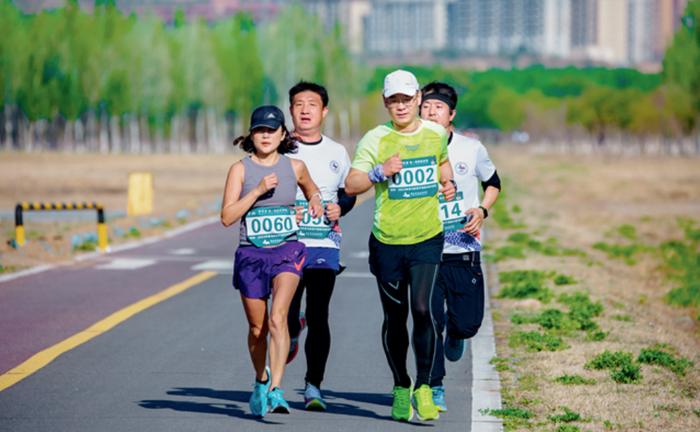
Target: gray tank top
x=282, y=195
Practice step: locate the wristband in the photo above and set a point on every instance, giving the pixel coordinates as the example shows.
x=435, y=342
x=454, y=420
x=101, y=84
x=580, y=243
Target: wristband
x=376, y=175
x=486, y=212
x=320, y=197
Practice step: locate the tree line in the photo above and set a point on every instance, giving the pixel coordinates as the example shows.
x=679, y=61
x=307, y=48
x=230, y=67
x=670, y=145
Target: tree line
x=103, y=81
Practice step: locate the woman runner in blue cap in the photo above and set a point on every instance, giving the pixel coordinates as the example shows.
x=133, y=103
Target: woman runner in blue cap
x=260, y=192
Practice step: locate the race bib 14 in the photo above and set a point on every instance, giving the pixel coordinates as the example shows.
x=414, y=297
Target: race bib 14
x=452, y=212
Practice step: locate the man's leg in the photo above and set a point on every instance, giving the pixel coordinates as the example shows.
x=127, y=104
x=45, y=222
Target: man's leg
x=394, y=297
x=423, y=278
x=465, y=300
x=319, y=289
x=439, y=317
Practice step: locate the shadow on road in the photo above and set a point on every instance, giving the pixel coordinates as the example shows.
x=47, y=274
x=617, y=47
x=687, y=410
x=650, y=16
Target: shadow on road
x=337, y=403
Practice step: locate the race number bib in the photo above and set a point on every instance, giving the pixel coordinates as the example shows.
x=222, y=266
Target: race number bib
x=270, y=226
x=417, y=179
x=452, y=213
x=313, y=228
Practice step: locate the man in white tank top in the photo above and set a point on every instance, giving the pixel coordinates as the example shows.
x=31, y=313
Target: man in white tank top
x=328, y=163
x=460, y=283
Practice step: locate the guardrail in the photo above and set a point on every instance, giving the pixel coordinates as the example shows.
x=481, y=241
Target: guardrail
x=20, y=208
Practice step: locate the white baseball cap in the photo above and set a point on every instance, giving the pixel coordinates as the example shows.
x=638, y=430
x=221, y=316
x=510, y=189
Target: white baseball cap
x=400, y=81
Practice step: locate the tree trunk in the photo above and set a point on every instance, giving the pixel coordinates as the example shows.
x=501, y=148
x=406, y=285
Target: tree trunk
x=115, y=134
x=9, y=138
x=29, y=137
x=104, y=133
x=199, y=132
x=134, y=143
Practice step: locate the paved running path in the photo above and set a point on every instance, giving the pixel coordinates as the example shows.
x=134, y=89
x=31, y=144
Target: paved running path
x=182, y=365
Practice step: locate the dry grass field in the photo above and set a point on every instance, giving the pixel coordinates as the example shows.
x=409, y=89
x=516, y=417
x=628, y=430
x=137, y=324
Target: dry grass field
x=599, y=220
x=189, y=184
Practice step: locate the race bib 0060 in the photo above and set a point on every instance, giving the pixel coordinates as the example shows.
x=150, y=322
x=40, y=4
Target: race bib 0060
x=270, y=226
x=417, y=179
x=310, y=227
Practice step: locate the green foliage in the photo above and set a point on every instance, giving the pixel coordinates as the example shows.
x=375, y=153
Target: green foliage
x=623, y=369
x=609, y=360
x=621, y=317
x=521, y=242
x=568, y=428
x=658, y=355
x=500, y=364
x=535, y=341
x=520, y=284
x=627, y=231
x=681, y=64
x=567, y=417
x=574, y=380
x=628, y=373
x=682, y=260
x=626, y=252
x=562, y=279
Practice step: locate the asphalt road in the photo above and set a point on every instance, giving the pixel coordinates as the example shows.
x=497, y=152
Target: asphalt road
x=182, y=364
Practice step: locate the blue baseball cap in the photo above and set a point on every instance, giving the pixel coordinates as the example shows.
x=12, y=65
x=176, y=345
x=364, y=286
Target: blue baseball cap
x=268, y=116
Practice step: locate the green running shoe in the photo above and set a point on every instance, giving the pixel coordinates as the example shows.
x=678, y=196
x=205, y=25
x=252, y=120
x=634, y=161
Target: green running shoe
x=425, y=407
x=401, y=408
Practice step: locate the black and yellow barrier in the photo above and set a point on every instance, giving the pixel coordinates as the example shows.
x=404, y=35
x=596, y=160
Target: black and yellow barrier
x=43, y=206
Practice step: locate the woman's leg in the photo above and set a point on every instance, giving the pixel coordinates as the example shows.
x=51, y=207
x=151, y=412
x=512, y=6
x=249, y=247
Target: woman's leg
x=283, y=287
x=256, y=313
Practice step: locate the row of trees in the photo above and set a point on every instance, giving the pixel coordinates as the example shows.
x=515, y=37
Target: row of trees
x=103, y=81
x=106, y=81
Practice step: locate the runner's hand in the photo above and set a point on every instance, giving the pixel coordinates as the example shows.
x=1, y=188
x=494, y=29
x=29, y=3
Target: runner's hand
x=392, y=165
x=332, y=212
x=299, y=215
x=267, y=183
x=477, y=219
x=448, y=190
x=315, y=206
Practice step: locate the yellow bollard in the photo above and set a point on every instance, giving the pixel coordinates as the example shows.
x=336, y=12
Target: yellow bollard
x=19, y=235
x=102, y=237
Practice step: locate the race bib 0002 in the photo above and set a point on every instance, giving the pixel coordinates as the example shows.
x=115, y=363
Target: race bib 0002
x=452, y=213
x=417, y=179
x=270, y=226
x=310, y=227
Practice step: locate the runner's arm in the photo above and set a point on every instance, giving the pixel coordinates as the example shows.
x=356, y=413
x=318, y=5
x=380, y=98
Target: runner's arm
x=311, y=191
x=446, y=180
x=345, y=201
x=233, y=206
x=357, y=182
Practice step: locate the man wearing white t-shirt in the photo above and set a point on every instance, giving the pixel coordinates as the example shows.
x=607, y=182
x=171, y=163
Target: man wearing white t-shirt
x=460, y=283
x=328, y=163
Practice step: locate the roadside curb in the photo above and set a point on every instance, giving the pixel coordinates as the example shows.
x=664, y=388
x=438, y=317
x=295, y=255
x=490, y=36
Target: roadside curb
x=486, y=383
x=122, y=247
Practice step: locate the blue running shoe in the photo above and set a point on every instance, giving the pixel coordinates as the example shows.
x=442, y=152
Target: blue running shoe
x=313, y=400
x=258, y=400
x=454, y=348
x=277, y=402
x=439, y=398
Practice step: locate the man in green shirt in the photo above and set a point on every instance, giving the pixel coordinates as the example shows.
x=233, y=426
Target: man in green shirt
x=406, y=162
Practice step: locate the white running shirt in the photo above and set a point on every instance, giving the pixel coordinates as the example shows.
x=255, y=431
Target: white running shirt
x=471, y=165
x=328, y=163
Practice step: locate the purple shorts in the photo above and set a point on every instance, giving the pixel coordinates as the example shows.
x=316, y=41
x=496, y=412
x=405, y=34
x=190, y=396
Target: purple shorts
x=254, y=267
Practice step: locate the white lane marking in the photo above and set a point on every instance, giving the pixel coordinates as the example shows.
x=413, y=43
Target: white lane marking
x=348, y=274
x=359, y=255
x=220, y=266
x=126, y=264
x=182, y=251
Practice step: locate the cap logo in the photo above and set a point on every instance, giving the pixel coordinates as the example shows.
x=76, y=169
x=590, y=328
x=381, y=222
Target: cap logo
x=270, y=115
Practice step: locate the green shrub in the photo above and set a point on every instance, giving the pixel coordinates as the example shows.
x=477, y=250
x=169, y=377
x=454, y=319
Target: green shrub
x=568, y=416
x=562, y=279
x=656, y=356
x=574, y=380
x=535, y=341
x=627, y=253
x=609, y=360
x=628, y=373
x=520, y=284
x=682, y=259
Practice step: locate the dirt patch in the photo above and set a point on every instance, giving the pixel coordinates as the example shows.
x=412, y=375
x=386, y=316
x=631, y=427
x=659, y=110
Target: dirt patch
x=186, y=188
x=582, y=201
